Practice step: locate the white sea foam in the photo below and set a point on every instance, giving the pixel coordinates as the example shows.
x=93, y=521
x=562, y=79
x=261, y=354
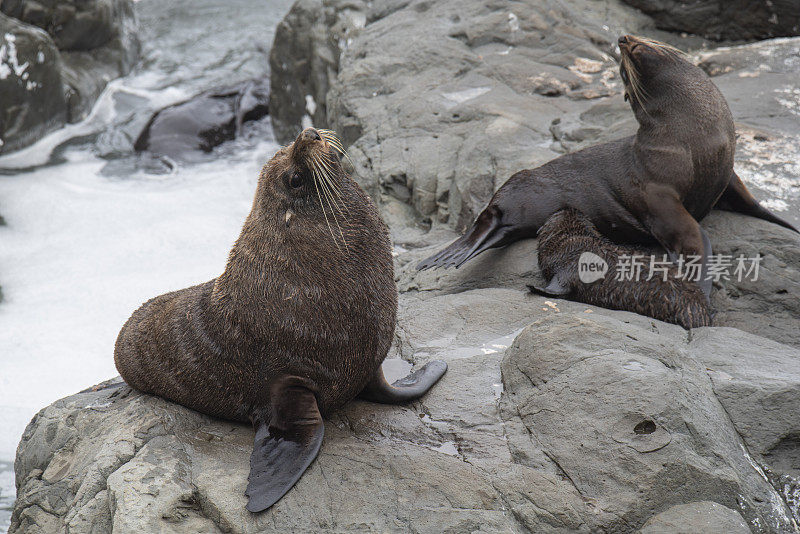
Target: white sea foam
x=81, y=251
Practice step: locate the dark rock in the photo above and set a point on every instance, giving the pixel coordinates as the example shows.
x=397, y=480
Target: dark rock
x=304, y=60
x=73, y=24
x=32, y=99
x=198, y=125
x=97, y=43
x=725, y=19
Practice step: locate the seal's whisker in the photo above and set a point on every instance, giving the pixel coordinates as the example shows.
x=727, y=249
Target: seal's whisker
x=327, y=174
x=326, y=188
x=322, y=205
x=661, y=47
x=318, y=179
x=331, y=138
x=633, y=79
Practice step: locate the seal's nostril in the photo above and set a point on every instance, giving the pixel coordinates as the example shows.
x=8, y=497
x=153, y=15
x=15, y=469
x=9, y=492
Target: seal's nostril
x=623, y=39
x=310, y=134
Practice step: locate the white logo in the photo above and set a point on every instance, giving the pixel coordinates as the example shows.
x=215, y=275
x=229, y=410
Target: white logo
x=591, y=267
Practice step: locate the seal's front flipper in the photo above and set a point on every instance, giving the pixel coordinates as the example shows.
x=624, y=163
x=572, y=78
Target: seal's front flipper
x=406, y=389
x=556, y=288
x=705, y=280
x=677, y=231
x=288, y=437
x=737, y=198
x=485, y=233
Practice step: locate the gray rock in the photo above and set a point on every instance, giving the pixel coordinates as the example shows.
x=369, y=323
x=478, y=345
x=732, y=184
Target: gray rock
x=704, y=516
x=415, y=88
x=725, y=19
x=31, y=91
x=638, y=402
x=441, y=102
x=593, y=420
x=768, y=306
x=549, y=446
x=304, y=60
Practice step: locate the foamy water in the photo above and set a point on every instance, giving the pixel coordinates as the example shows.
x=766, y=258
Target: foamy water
x=81, y=251
x=83, y=248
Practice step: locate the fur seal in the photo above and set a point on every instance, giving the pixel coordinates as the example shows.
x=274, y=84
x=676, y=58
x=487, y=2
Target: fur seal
x=297, y=325
x=656, y=184
x=568, y=234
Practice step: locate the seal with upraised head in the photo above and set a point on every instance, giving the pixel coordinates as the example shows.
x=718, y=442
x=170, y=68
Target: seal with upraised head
x=569, y=243
x=656, y=184
x=297, y=325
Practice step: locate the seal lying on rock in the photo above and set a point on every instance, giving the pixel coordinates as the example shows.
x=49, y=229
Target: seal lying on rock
x=564, y=241
x=297, y=325
x=653, y=185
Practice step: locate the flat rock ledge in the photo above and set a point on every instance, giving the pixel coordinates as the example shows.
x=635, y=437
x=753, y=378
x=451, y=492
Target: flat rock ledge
x=553, y=417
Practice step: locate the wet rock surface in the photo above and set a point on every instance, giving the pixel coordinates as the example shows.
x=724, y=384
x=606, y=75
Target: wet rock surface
x=60, y=57
x=186, y=130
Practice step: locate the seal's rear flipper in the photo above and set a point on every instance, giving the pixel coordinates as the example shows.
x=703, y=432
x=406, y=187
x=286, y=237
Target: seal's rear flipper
x=555, y=288
x=737, y=198
x=483, y=234
x=406, y=389
x=288, y=437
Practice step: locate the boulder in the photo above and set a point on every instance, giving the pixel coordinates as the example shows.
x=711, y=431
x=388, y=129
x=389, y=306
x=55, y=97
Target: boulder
x=592, y=420
x=646, y=414
x=73, y=24
x=185, y=131
x=72, y=49
x=304, y=60
x=704, y=516
x=32, y=101
x=725, y=19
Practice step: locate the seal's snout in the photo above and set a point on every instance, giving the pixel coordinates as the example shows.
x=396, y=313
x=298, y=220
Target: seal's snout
x=623, y=40
x=310, y=134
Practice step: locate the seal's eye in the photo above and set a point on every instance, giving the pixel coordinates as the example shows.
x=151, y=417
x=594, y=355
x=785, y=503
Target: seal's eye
x=295, y=180
x=624, y=74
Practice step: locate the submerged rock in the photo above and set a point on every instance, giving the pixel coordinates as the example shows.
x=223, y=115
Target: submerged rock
x=185, y=130
x=589, y=422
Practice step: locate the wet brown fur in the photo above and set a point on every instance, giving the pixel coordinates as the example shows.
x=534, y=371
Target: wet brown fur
x=567, y=234
x=301, y=295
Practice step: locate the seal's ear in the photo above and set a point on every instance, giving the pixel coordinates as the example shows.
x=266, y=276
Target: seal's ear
x=288, y=437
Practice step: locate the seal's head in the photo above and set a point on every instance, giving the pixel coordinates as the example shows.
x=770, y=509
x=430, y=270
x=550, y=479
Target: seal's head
x=650, y=68
x=304, y=192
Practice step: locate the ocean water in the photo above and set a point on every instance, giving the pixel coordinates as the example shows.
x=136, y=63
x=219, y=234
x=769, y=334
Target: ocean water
x=88, y=238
